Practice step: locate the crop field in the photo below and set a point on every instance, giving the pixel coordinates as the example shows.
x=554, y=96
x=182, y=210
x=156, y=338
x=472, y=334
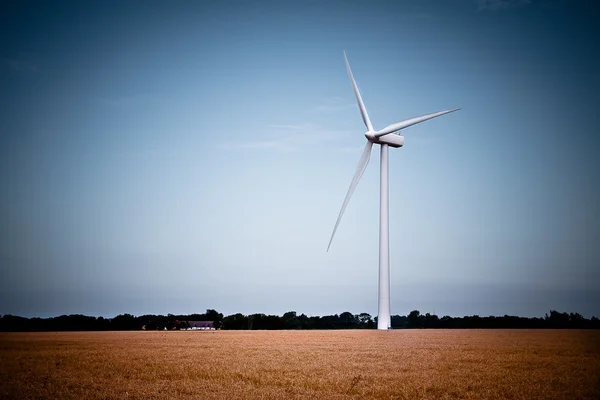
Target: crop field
x=403, y=364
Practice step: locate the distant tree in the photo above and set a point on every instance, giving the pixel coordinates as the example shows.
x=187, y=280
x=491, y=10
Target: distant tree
x=13, y=323
x=304, y=321
x=557, y=320
x=102, y=324
x=290, y=320
x=235, y=322
x=364, y=320
x=399, y=321
x=431, y=321
x=124, y=322
x=215, y=317
x=445, y=322
x=415, y=319
x=347, y=320
x=266, y=322
x=576, y=320
x=329, y=322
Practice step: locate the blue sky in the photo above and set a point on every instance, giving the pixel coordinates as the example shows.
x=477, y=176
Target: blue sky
x=168, y=158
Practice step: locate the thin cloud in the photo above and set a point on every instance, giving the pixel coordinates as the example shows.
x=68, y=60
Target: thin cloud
x=352, y=150
x=423, y=140
x=266, y=144
x=20, y=65
x=289, y=138
x=276, y=126
x=334, y=104
x=129, y=101
x=331, y=108
x=280, y=145
x=500, y=4
x=421, y=15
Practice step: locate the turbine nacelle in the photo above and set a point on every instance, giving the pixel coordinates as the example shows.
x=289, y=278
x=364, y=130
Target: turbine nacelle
x=391, y=140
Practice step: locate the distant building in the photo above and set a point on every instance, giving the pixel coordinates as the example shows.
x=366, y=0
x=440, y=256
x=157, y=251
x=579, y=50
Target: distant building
x=200, y=325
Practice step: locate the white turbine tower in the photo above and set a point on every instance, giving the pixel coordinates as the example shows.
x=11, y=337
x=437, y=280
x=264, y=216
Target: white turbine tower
x=384, y=137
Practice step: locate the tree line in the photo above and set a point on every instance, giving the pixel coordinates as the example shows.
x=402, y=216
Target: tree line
x=291, y=320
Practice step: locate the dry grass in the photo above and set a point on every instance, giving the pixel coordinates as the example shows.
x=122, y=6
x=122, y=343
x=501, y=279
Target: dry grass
x=408, y=364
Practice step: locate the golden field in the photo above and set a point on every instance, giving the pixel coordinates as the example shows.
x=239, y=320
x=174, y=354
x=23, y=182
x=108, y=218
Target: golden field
x=402, y=364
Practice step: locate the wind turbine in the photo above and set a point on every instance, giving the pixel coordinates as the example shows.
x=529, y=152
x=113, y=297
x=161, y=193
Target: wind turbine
x=384, y=137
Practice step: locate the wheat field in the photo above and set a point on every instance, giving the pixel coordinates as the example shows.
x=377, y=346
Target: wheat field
x=403, y=364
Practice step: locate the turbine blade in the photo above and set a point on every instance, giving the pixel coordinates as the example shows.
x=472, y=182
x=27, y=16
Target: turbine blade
x=409, y=122
x=360, y=168
x=361, y=105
